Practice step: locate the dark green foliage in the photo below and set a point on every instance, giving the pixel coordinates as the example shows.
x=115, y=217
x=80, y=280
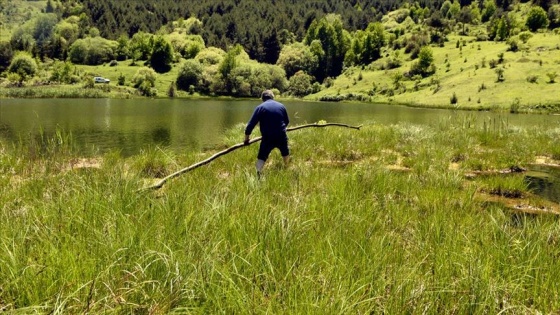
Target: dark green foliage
x=500, y=73
x=300, y=84
x=368, y=48
x=425, y=64
x=121, y=79
x=140, y=46
x=189, y=75
x=257, y=25
x=62, y=72
x=554, y=16
x=24, y=65
x=144, y=80
x=92, y=51
x=227, y=65
x=6, y=55
x=329, y=33
x=162, y=55
x=454, y=99
x=50, y=7
x=536, y=19
x=297, y=56
x=488, y=10
x=500, y=28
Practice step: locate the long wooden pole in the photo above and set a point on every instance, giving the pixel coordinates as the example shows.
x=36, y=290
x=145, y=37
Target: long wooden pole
x=160, y=183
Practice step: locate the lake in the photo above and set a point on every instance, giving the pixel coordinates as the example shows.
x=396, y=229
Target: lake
x=129, y=125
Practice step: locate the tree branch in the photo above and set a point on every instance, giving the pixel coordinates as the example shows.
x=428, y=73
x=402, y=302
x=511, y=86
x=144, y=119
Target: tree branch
x=160, y=183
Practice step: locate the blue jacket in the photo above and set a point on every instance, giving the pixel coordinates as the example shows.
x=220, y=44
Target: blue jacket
x=272, y=118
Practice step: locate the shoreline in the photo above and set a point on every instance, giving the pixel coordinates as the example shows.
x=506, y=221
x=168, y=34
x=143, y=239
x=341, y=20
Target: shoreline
x=124, y=92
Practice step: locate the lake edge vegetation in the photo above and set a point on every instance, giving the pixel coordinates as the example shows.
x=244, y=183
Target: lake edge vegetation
x=377, y=220
x=468, y=55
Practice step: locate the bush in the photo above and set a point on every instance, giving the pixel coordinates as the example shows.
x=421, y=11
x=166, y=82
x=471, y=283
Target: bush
x=190, y=74
x=513, y=44
x=454, y=99
x=300, y=84
x=89, y=83
x=92, y=51
x=121, y=79
x=552, y=76
x=113, y=63
x=536, y=18
x=532, y=78
x=144, y=76
x=24, y=65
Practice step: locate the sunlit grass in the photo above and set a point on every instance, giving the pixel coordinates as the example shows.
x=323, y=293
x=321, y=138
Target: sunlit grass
x=338, y=231
x=466, y=72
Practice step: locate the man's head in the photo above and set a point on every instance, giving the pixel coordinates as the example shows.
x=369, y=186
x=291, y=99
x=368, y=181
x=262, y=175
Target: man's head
x=267, y=95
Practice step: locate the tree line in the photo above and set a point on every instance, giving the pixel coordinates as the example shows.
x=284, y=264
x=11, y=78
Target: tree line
x=227, y=53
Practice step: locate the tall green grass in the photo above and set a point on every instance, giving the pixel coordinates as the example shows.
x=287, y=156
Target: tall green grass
x=335, y=232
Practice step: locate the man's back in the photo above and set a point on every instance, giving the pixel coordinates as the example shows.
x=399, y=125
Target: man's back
x=272, y=117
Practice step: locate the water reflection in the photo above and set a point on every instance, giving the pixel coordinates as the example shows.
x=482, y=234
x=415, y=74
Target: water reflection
x=102, y=125
x=545, y=181
x=161, y=136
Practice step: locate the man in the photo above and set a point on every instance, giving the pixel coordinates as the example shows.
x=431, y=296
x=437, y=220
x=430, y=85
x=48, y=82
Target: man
x=273, y=121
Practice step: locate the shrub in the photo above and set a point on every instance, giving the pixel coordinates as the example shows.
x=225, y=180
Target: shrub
x=89, y=83
x=14, y=80
x=425, y=64
x=300, y=84
x=190, y=74
x=525, y=36
x=24, y=65
x=552, y=76
x=144, y=75
x=162, y=55
x=536, y=18
x=454, y=99
x=482, y=87
x=121, y=79
x=113, y=63
x=500, y=74
x=328, y=82
x=513, y=44
x=532, y=78
x=92, y=51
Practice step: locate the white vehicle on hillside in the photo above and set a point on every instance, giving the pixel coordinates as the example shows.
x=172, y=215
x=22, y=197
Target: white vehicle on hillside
x=101, y=80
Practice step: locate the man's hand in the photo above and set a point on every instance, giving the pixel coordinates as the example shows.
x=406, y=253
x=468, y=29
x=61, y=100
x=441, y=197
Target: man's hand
x=246, y=141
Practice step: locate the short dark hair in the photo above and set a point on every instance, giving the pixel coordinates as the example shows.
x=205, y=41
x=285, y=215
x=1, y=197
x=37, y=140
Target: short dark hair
x=267, y=95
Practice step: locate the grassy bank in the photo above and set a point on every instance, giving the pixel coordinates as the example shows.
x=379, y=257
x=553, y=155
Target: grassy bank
x=379, y=220
x=465, y=68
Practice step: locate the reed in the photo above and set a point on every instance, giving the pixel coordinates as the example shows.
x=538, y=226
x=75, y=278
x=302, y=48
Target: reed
x=338, y=231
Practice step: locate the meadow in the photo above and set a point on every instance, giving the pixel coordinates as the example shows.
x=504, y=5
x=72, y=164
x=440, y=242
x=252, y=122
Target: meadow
x=466, y=69
x=381, y=220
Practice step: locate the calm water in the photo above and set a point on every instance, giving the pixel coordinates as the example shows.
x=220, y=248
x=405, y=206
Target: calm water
x=100, y=125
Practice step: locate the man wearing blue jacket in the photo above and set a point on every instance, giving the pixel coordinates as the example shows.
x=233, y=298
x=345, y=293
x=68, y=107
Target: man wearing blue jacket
x=273, y=121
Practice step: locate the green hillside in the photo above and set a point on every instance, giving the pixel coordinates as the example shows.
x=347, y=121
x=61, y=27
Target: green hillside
x=465, y=72
x=16, y=12
x=492, y=55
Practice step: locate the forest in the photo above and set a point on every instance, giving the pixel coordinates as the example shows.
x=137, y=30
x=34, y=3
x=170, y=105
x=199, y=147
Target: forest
x=237, y=47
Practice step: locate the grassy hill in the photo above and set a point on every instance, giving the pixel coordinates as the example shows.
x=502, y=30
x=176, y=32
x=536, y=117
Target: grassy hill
x=467, y=73
x=16, y=12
